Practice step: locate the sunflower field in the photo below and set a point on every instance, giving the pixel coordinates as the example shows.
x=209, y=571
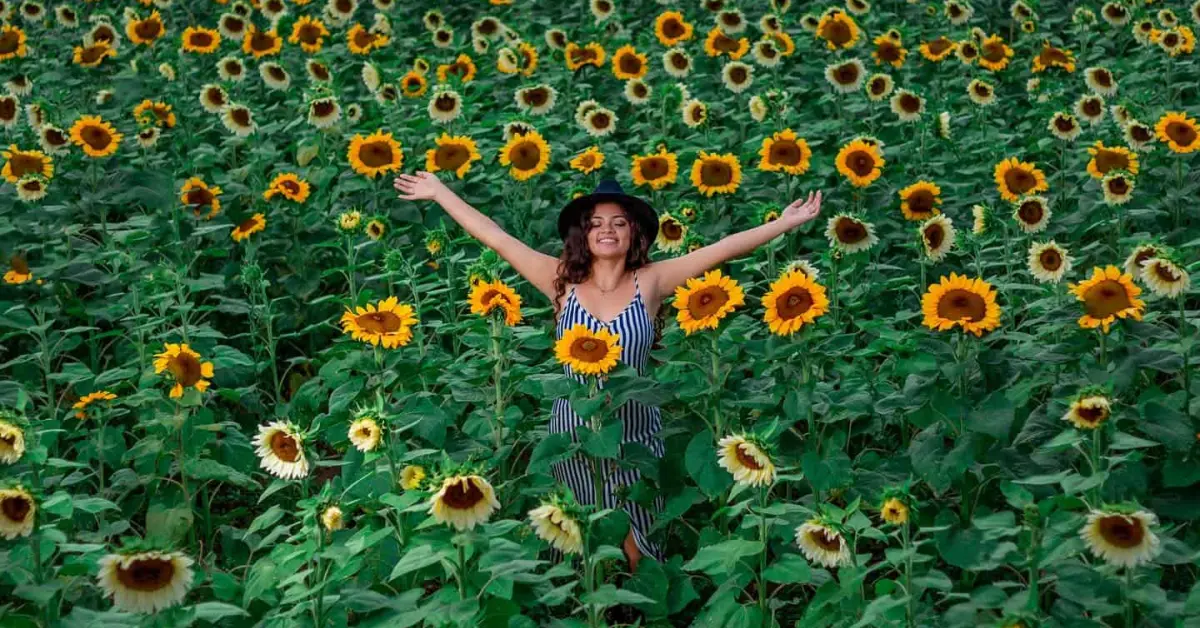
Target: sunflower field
x=243, y=384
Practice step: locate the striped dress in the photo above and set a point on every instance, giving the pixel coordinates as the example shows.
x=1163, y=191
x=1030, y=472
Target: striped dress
x=635, y=329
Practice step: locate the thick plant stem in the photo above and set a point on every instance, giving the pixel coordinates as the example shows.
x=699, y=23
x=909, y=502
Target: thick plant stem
x=1096, y=436
x=462, y=571
x=1187, y=372
x=319, y=600
x=716, y=375
x=497, y=374
x=762, y=561
x=1128, y=597
x=908, y=563
x=1103, y=349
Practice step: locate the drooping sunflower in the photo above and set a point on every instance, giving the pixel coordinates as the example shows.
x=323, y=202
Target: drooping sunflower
x=672, y=234
x=960, y=301
x=387, y=323
x=785, y=152
x=1179, y=132
x=1108, y=295
x=589, y=161
x=587, y=352
x=994, y=54
x=822, y=544
x=937, y=235
x=1049, y=262
x=849, y=234
x=96, y=137
x=1123, y=539
x=18, y=269
x=12, y=442
x=454, y=153
x=19, y=163
x=704, y=302
x=766, y=52
x=213, y=98
x=894, y=511
x=888, y=51
x=557, y=528
x=525, y=156
x=17, y=512
x=717, y=43
x=656, y=170
x=1089, y=411
x=1165, y=278
x=375, y=154
x=860, y=162
x=793, y=301
x=145, y=582
x=200, y=40
x=280, y=449
x=92, y=55
x=249, y=226
x=145, y=31
x=838, y=29
x=1140, y=255
x=185, y=367
x=714, y=173
x=1015, y=179
x=745, y=460
x=81, y=407
x=274, y=76
x=463, y=501
x=365, y=433
x=54, y=140
x=846, y=76
x=332, y=519
x=487, y=296
x=260, y=43
x=200, y=196
x=1139, y=136
x=937, y=50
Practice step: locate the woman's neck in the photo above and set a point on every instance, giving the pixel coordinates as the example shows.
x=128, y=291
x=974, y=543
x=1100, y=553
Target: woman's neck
x=607, y=274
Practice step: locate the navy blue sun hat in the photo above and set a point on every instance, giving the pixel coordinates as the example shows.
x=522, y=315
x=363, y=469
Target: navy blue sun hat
x=609, y=190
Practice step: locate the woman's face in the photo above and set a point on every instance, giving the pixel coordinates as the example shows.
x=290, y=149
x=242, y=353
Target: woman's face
x=609, y=233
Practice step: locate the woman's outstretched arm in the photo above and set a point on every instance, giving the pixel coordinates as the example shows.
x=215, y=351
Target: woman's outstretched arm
x=536, y=267
x=669, y=274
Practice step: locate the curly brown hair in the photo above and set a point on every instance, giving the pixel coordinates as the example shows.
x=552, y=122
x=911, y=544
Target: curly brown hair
x=575, y=263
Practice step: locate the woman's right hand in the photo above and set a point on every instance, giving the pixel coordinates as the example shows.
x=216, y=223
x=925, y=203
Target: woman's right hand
x=419, y=187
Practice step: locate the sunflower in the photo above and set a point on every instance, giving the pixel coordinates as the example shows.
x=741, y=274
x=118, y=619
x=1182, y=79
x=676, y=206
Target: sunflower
x=80, y=407
x=677, y=62
x=981, y=92
x=1015, y=179
x=860, y=162
x=274, y=76
x=239, y=120
x=280, y=449
x=600, y=122
x=848, y=234
x=537, y=100
x=1106, y=159
x=375, y=154
x=1180, y=133
x=966, y=51
x=1140, y=255
x=793, y=301
x=1165, y=278
x=702, y=303
x=525, y=156
x=463, y=501
x=1032, y=213
x=671, y=28
x=251, y=225
x=907, y=106
x=18, y=163
x=365, y=434
x=656, y=170
x=888, y=51
x=453, y=154
x=1118, y=187
x=838, y=30
x=894, y=511
x=31, y=188
x=411, y=477
x=588, y=161
x=714, y=173
x=766, y=52
x=213, y=98
x=361, y=41
x=717, y=43
x=260, y=43
x=231, y=69
x=737, y=76
x=1048, y=261
x=1089, y=411
x=17, y=512
x=232, y=27
x=323, y=113
x=1090, y=107
x=1108, y=295
x=10, y=111
x=557, y=528
x=198, y=195
x=785, y=152
x=746, y=461
x=1064, y=126
x=18, y=270
x=463, y=67
x=1051, y=57
x=578, y=56
x=145, y=582
x=92, y=55
x=822, y=544
x=937, y=50
x=486, y=296
x=1123, y=539
x=387, y=323
x=628, y=63
x=1101, y=81
x=445, y=106
x=12, y=442
x=959, y=300
x=847, y=76
x=145, y=31
x=157, y=113
x=200, y=40
x=671, y=233
x=694, y=112
x=879, y=86
x=994, y=54
x=54, y=140
x=185, y=367
x=12, y=42
x=783, y=42
x=96, y=137
x=349, y=221
x=332, y=520
x=937, y=235
x=318, y=72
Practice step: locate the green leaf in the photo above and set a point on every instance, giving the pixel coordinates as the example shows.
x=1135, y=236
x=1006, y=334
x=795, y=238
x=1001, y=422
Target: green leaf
x=789, y=569
x=993, y=416
x=416, y=558
x=1167, y=426
x=606, y=443
x=216, y=611
x=722, y=557
x=205, y=469
x=701, y=462
x=609, y=595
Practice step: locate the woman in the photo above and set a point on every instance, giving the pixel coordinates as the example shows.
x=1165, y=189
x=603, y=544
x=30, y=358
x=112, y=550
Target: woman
x=604, y=279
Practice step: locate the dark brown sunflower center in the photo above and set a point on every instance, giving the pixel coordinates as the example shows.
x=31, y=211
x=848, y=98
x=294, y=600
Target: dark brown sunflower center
x=1092, y=415
x=589, y=349
x=445, y=103
x=959, y=304
x=10, y=41
x=888, y=51
x=15, y=508
x=185, y=368
x=582, y=55
x=679, y=61
x=233, y=68
x=1064, y=124
x=458, y=69
x=96, y=136
x=785, y=152
x=934, y=236
x=309, y=34
x=262, y=41
x=1181, y=133
x=909, y=103
x=376, y=154
x=277, y=73
x=738, y=75
x=968, y=50
x=1165, y=273
x=148, y=29
x=725, y=43
x=8, y=108
x=715, y=173
x=629, y=63
x=323, y=108
x=795, y=302
x=1053, y=56
x=1050, y=260
x=826, y=540
x=1106, y=299
x=33, y=185
x=672, y=29
x=451, y=156
x=994, y=52
x=246, y=225
x=92, y=54
x=527, y=155
x=201, y=39
x=146, y=574
x=10, y=440
x=671, y=230
x=878, y=86
x=850, y=231
x=696, y=113
x=746, y=459
x=837, y=31
x=233, y=24
x=982, y=90
x=1031, y=212
x=1118, y=186
x=939, y=45
x=23, y=163
x=21, y=267
x=653, y=168
x=344, y=6
x=1123, y=532
x=846, y=74
x=1170, y=40
x=240, y=116
x=536, y=97
x=379, y=322
x=103, y=33
x=54, y=137
x=363, y=38
x=284, y=447
x=460, y=498
x=860, y=162
x=707, y=302
x=1102, y=78
x=1019, y=180
x=1092, y=107
x=1111, y=160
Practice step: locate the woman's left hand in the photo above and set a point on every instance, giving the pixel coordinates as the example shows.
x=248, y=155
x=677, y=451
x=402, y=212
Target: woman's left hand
x=802, y=211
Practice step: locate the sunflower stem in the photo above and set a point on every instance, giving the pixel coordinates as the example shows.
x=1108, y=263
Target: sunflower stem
x=318, y=599
x=908, y=563
x=1095, y=462
x=1128, y=597
x=462, y=571
x=497, y=374
x=1187, y=373
x=1103, y=349
x=716, y=384
x=180, y=420
x=762, y=561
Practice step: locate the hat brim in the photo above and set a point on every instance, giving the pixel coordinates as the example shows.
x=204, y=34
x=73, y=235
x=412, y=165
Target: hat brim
x=640, y=210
